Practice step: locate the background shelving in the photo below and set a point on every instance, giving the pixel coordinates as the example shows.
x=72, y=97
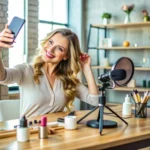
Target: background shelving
x=106, y=28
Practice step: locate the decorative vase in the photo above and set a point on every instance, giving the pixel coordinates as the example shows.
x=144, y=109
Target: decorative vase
x=106, y=21
x=127, y=19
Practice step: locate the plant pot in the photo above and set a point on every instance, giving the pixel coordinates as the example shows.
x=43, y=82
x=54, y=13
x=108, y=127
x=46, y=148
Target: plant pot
x=106, y=21
x=146, y=18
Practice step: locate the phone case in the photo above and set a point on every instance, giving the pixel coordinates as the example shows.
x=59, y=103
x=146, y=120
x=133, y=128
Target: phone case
x=16, y=25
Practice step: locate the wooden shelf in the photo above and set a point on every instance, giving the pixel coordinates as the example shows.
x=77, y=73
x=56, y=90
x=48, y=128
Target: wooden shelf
x=109, y=67
x=139, y=89
x=129, y=25
x=101, y=67
x=123, y=48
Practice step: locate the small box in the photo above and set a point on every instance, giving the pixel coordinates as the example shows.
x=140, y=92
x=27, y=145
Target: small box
x=106, y=42
x=132, y=83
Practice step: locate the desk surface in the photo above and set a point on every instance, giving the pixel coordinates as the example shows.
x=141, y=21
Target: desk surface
x=84, y=137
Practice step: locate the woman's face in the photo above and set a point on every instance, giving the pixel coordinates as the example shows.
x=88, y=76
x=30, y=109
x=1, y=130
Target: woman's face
x=55, y=49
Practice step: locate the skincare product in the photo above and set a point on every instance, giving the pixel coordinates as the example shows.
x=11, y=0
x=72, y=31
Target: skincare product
x=126, y=110
x=23, y=130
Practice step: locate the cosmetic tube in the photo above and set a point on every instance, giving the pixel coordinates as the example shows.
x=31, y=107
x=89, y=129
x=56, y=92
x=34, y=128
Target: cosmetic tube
x=23, y=130
x=43, y=133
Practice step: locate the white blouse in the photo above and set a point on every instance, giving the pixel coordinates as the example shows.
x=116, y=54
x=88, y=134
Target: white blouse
x=39, y=99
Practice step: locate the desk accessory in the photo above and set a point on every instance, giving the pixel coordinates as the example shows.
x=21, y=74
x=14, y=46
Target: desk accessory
x=70, y=122
x=140, y=103
x=140, y=110
x=120, y=74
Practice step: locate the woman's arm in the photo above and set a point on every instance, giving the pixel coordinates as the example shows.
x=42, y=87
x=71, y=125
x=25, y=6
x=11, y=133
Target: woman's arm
x=85, y=62
x=5, y=37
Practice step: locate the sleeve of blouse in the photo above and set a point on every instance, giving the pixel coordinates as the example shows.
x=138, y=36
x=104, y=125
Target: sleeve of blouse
x=14, y=75
x=83, y=94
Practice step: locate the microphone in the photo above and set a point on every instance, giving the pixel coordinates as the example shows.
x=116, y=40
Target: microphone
x=116, y=75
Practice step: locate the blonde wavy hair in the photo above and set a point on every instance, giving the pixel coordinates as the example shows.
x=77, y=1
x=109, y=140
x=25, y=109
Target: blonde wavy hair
x=66, y=70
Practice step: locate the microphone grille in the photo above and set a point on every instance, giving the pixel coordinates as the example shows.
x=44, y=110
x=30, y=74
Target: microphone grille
x=118, y=74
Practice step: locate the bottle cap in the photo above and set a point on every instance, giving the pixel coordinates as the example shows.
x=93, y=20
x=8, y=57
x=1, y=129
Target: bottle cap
x=127, y=98
x=23, y=122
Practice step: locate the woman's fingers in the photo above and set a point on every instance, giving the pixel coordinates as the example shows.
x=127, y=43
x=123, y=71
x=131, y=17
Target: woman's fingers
x=6, y=37
x=84, y=56
x=7, y=29
x=5, y=45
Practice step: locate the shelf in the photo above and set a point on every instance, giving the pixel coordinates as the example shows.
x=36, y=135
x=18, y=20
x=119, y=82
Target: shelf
x=101, y=67
x=122, y=48
x=129, y=25
x=109, y=67
x=139, y=89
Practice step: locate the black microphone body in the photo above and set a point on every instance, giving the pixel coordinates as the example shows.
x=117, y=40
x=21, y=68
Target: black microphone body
x=116, y=75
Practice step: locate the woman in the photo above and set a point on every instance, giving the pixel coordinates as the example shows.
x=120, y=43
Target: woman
x=50, y=83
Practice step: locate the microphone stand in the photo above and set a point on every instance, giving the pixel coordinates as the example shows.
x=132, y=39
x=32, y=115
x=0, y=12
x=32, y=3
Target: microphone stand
x=100, y=123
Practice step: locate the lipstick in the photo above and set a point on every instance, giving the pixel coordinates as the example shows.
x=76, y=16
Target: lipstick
x=43, y=132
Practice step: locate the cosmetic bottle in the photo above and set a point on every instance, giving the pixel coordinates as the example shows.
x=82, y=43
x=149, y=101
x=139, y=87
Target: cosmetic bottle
x=23, y=130
x=43, y=132
x=126, y=110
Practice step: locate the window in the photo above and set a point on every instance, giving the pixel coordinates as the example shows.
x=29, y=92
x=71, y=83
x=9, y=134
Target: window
x=52, y=14
x=16, y=54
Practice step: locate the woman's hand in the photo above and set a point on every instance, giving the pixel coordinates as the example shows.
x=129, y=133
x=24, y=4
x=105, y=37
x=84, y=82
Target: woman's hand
x=85, y=61
x=6, y=37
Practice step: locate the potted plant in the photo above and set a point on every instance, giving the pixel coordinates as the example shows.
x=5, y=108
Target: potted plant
x=106, y=17
x=127, y=9
x=145, y=15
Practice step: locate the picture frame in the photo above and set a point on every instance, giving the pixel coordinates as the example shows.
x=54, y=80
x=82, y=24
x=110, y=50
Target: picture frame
x=106, y=42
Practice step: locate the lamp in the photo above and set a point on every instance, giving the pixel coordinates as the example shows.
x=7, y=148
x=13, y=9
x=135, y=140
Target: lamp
x=120, y=74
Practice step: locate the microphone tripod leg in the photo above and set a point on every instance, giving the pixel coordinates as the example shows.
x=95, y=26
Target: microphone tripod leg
x=116, y=114
x=87, y=114
x=101, y=112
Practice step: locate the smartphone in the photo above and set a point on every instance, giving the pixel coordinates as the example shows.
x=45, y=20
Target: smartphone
x=16, y=25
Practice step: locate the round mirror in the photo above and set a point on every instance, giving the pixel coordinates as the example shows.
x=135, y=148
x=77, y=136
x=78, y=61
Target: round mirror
x=126, y=64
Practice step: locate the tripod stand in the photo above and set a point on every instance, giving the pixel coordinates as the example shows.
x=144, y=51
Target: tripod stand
x=100, y=123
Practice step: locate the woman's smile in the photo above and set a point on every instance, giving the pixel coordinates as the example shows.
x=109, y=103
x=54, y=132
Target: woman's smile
x=49, y=55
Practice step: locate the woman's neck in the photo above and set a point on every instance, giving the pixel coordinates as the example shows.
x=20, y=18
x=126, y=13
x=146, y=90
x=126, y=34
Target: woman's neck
x=49, y=69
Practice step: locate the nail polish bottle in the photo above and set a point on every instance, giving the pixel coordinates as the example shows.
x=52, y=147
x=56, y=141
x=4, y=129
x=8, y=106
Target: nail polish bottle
x=43, y=133
x=23, y=130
